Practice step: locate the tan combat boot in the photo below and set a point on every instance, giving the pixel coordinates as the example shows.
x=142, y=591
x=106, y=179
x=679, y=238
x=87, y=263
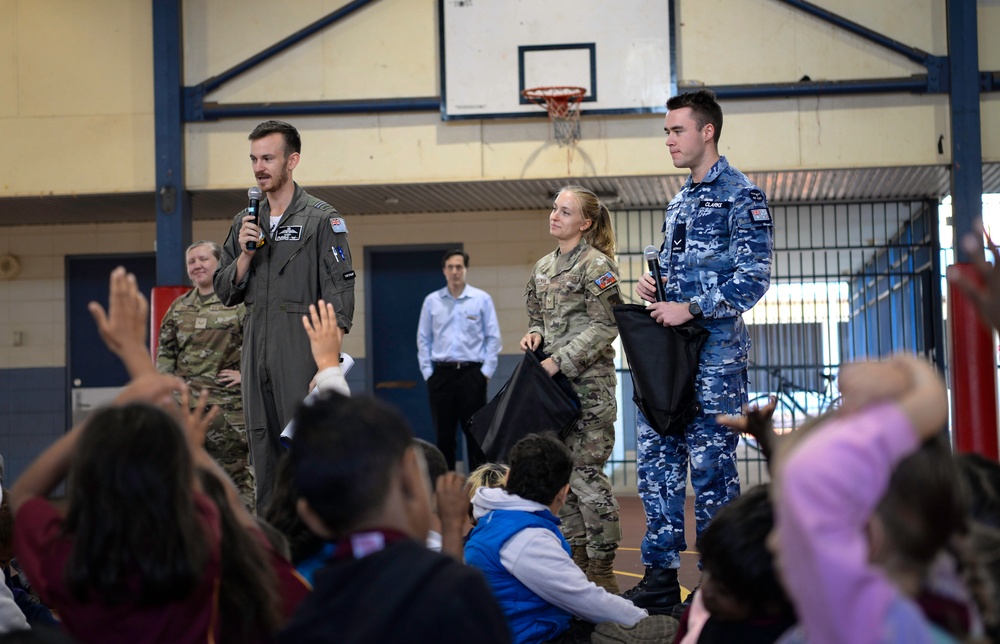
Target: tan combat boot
x=601, y=573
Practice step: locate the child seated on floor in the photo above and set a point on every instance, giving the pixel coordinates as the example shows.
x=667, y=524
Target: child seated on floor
x=486, y=475
x=362, y=483
x=449, y=503
x=137, y=556
x=36, y=613
x=527, y=561
x=864, y=503
x=740, y=598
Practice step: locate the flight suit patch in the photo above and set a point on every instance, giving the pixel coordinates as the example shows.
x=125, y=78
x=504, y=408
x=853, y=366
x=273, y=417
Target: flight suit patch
x=288, y=233
x=760, y=215
x=338, y=225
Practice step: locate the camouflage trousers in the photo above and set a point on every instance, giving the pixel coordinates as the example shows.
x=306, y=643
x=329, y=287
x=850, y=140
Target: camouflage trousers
x=226, y=442
x=590, y=515
x=709, y=450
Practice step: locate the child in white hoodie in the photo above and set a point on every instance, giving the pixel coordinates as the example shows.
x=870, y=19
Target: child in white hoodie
x=526, y=560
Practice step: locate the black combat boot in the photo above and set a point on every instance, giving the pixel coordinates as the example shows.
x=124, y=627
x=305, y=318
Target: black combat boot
x=658, y=591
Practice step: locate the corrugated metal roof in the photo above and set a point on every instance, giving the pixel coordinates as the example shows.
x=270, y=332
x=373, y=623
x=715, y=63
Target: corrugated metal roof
x=802, y=186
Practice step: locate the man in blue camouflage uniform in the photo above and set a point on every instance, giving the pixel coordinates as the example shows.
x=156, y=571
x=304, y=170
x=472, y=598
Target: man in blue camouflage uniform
x=716, y=264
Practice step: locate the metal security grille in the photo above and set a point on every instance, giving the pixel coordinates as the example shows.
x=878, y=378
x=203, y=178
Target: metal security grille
x=849, y=281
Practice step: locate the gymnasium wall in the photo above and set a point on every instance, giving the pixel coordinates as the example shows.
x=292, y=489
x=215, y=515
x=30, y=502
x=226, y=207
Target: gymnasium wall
x=76, y=117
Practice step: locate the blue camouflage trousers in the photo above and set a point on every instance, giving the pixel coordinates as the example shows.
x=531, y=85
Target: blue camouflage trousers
x=709, y=450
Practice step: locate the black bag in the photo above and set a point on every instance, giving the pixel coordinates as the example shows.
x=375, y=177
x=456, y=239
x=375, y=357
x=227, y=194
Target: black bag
x=530, y=402
x=664, y=363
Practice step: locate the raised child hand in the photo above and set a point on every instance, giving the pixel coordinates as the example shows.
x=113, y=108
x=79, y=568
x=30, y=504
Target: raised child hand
x=196, y=420
x=757, y=423
x=153, y=388
x=453, y=510
x=325, y=336
x=123, y=326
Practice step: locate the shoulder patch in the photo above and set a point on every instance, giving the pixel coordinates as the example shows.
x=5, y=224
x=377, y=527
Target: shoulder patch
x=760, y=215
x=606, y=281
x=338, y=225
x=757, y=195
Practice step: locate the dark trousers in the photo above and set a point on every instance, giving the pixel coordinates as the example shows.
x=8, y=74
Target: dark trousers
x=456, y=393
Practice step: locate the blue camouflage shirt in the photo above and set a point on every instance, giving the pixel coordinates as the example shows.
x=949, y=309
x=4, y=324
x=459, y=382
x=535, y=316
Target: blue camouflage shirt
x=717, y=250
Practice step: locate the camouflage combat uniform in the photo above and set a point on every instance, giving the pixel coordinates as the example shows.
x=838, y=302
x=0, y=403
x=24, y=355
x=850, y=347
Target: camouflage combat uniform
x=569, y=304
x=199, y=337
x=717, y=251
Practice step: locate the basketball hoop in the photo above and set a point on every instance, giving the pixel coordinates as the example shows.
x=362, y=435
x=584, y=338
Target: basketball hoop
x=563, y=106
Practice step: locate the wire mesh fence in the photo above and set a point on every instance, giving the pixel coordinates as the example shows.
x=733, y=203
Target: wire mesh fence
x=849, y=281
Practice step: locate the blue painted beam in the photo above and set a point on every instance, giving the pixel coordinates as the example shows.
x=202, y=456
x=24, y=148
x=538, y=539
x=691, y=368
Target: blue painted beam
x=280, y=46
x=914, y=54
x=173, y=201
x=966, y=125
x=917, y=84
x=213, y=111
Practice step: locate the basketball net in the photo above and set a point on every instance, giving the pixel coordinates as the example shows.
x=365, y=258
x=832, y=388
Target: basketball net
x=563, y=106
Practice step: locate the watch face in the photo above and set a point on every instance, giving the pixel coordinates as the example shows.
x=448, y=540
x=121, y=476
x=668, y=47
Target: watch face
x=694, y=309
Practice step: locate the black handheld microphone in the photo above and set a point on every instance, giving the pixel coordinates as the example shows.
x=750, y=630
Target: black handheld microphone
x=254, y=195
x=653, y=260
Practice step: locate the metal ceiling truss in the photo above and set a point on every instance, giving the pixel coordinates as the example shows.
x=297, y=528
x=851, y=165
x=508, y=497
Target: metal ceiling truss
x=176, y=104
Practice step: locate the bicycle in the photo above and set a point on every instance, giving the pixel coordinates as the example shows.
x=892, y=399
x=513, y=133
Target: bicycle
x=796, y=403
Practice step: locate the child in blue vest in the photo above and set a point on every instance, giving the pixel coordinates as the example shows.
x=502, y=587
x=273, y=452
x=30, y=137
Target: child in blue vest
x=527, y=562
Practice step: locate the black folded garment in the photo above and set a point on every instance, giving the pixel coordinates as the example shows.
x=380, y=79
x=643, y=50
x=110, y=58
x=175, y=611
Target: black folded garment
x=664, y=363
x=530, y=402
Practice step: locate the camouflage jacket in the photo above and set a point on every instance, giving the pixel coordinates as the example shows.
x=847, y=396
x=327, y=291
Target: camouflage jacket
x=717, y=251
x=569, y=304
x=198, y=338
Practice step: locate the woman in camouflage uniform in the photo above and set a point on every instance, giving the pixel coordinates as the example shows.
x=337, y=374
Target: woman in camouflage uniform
x=569, y=296
x=200, y=342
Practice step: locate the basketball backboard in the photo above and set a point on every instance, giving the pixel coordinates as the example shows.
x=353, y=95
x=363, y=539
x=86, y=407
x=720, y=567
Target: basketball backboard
x=491, y=50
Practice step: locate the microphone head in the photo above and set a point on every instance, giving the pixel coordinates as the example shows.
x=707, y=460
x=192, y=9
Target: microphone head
x=254, y=193
x=651, y=252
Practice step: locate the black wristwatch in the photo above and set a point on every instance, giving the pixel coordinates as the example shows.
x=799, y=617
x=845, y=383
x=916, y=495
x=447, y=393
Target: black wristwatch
x=694, y=309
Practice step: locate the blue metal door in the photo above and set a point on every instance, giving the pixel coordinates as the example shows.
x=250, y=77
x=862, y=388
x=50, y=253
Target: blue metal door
x=398, y=280
x=94, y=373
